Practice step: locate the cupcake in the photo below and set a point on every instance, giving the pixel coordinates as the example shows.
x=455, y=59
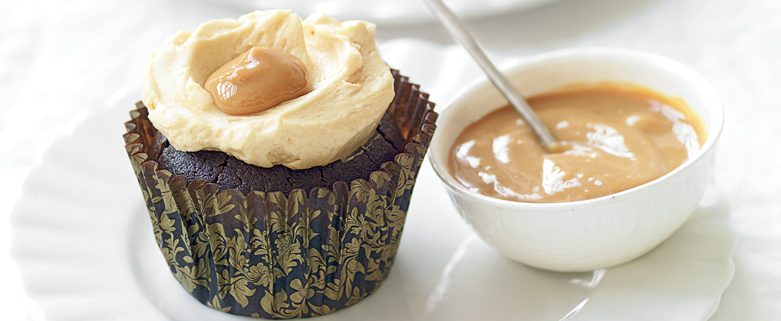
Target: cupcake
x=277, y=158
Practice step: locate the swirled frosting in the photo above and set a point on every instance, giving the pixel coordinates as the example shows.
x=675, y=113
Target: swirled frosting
x=352, y=88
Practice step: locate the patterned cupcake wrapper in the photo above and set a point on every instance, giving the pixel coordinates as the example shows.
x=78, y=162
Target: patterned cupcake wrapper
x=272, y=255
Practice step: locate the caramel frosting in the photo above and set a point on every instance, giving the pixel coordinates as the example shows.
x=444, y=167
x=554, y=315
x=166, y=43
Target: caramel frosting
x=316, y=91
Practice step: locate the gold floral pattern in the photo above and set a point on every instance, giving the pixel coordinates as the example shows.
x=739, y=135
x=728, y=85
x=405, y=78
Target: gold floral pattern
x=271, y=255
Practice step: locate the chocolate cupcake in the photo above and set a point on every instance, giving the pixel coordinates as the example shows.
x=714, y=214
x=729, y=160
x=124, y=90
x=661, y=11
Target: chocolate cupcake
x=286, y=199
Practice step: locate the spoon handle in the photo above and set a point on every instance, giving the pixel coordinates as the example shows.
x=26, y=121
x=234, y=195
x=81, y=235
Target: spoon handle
x=459, y=32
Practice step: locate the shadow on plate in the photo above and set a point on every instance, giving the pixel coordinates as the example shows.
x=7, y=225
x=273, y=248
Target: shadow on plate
x=693, y=264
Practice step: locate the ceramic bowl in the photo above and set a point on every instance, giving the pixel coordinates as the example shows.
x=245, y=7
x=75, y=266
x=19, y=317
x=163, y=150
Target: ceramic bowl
x=595, y=233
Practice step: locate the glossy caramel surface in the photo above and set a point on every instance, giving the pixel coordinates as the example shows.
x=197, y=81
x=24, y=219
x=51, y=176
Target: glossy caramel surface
x=615, y=137
x=257, y=80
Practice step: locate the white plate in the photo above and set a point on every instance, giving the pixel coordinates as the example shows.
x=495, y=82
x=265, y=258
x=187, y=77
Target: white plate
x=395, y=12
x=86, y=250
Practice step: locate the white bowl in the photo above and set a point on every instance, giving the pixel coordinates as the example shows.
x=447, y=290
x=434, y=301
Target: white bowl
x=596, y=233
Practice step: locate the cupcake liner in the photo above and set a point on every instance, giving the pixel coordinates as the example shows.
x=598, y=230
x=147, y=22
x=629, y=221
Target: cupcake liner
x=274, y=255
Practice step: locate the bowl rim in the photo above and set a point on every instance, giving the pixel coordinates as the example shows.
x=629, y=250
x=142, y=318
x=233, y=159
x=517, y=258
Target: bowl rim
x=703, y=88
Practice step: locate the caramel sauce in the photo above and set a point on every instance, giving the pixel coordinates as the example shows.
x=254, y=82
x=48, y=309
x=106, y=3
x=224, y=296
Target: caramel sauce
x=615, y=137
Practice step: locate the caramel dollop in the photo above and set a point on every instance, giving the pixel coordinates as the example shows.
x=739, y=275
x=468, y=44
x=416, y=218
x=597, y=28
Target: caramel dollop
x=257, y=80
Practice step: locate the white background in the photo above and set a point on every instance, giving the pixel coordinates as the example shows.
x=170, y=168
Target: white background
x=62, y=60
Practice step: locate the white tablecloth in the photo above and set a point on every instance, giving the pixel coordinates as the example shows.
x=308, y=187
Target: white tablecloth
x=61, y=60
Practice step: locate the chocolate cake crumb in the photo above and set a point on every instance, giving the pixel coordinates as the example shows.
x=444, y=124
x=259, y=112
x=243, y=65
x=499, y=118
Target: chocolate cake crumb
x=229, y=172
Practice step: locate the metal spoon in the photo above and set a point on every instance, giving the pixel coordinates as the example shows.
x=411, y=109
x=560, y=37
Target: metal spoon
x=459, y=32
